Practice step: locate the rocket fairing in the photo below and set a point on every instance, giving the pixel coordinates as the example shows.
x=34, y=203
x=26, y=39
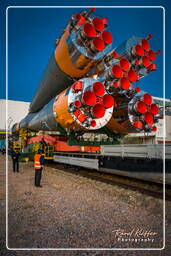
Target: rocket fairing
x=87, y=85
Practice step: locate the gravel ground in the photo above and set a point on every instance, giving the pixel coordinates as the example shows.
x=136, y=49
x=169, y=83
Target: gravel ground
x=73, y=211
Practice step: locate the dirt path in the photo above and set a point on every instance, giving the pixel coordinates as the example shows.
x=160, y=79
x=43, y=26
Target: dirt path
x=71, y=211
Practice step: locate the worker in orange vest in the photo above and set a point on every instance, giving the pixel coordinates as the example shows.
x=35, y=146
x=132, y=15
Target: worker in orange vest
x=38, y=166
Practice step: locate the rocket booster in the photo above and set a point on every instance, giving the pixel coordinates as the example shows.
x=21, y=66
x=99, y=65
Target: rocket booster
x=87, y=85
x=83, y=106
x=76, y=53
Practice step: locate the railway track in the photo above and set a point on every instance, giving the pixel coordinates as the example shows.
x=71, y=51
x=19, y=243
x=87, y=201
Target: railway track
x=146, y=187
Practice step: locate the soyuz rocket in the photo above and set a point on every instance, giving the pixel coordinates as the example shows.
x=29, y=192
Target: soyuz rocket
x=88, y=86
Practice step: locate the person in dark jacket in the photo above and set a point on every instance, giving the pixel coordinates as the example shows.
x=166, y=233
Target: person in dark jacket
x=3, y=151
x=15, y=157
x=38, y=166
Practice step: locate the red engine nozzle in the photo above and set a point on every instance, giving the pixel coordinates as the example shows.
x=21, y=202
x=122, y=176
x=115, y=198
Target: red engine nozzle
x=125, y=64
x=141, y=107
x=146, y=61
x=145, y=44
x=98, y=24
x=154, y=129
x=98, y=89
x=115, y=84
x=93, y=123
x=89, y=98
x=138, y=50
x=80, y=19
x=154, y=109
x=97, y=44
x=151, y=68
x=77, y=104
x=98, y=110
x=125, y=83
x=148, y=118
x=108, y=101
x=107, y=37
x=105, y=21
x=88, y=31
x=132, y=75
x=151, y=55
x=137, y=124
x=147, y=99
x=116, y=71
x=137, y=89
x=79, y=115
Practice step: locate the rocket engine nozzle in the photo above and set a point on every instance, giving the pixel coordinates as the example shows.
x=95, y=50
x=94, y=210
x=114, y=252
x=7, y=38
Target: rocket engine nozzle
x=148, y=118
x=77, y=104
x=132, y=75
x=98, y=89
x=124, y=83
x=125, y=64
x=80, y=19
x=145, y=61
x=151, y=55
x=107, y=37
x=105, y=21
x=141, y=107
x=88, y=31
x=98, y=24
x=97, y=45
x=145, y=44
x=154, y=109
x=93, y=123
x=137, y=124
x=98, y=110
x=108, y=101
x=138, y=50
x=147, y=99
x=89, y=98
x=115, y=72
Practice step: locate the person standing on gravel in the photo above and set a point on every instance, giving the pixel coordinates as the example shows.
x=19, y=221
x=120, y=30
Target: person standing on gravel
x=15, y=154
x=38, y=166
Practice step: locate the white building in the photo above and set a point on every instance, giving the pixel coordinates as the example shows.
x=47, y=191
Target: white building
x=160, y=132
x=16, y=111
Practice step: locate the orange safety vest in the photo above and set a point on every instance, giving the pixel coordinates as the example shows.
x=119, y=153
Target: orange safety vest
x=37, y=164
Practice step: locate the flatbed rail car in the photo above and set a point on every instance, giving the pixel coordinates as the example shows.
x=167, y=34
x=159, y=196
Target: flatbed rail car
x=135, y=160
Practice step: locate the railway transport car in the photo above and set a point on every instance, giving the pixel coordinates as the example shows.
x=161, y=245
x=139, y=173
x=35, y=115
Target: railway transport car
x=137, y=161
